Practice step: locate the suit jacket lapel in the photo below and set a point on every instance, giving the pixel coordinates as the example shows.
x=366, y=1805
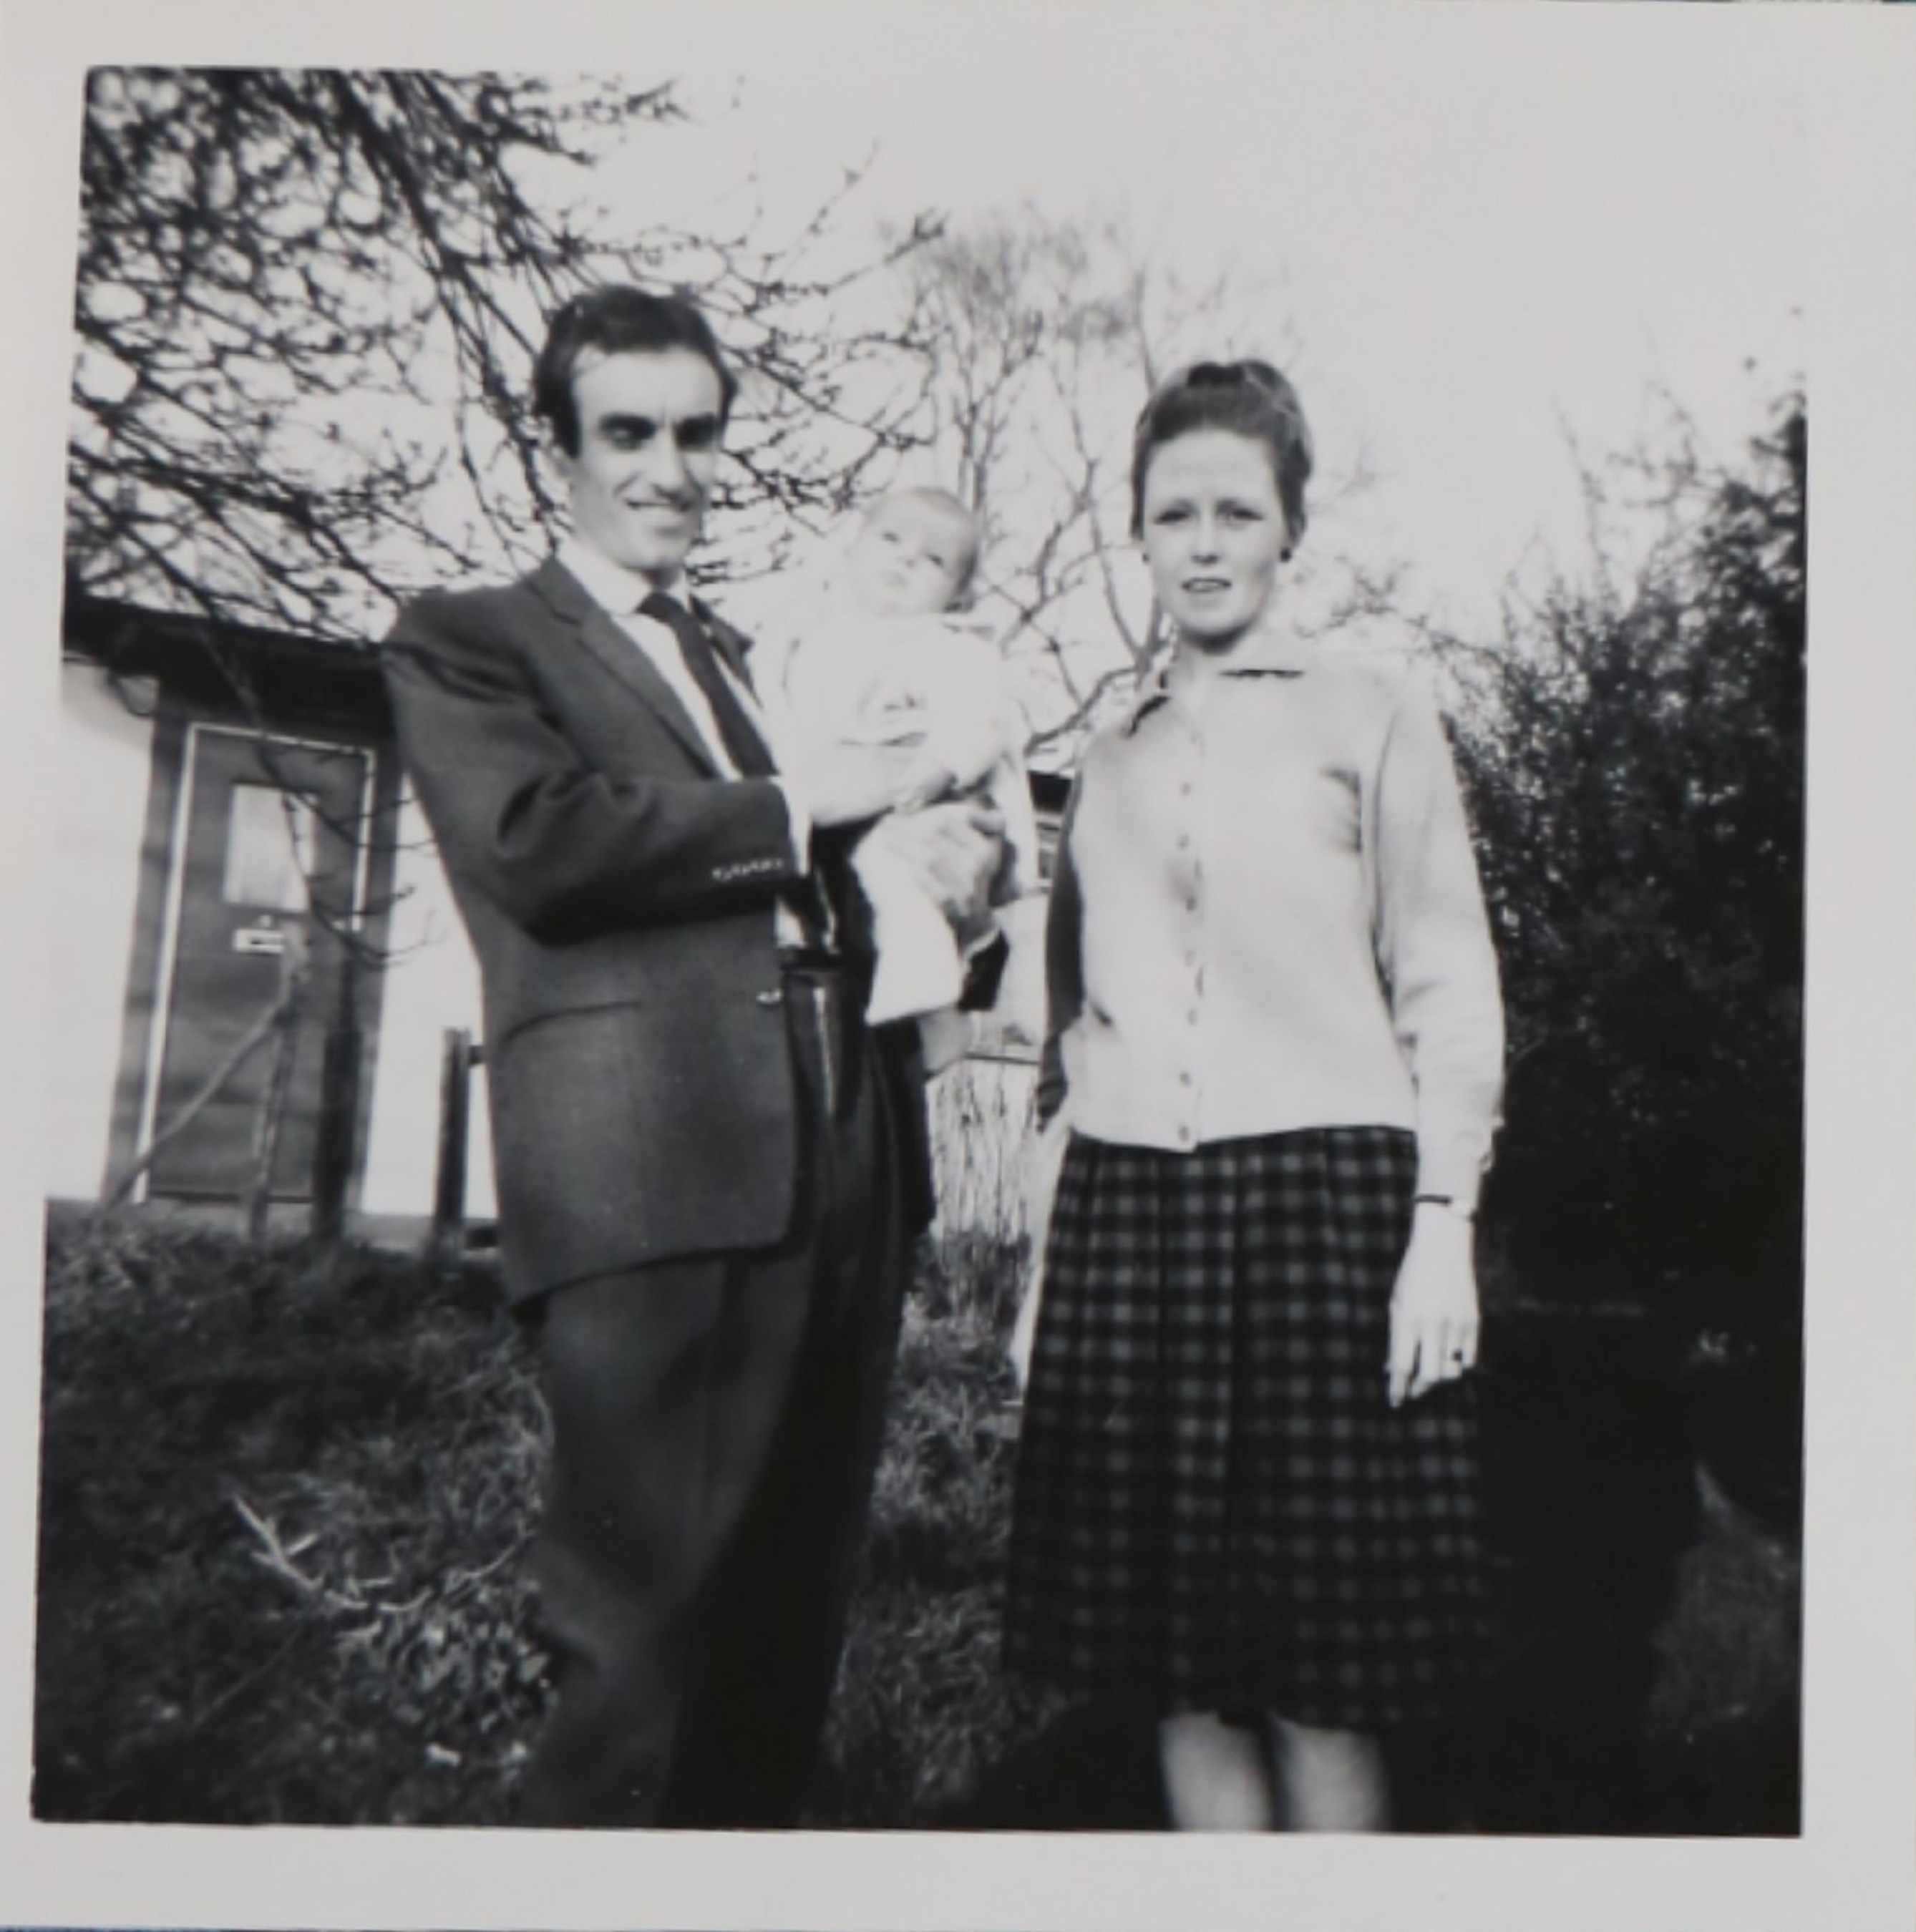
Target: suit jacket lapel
x=569, y=601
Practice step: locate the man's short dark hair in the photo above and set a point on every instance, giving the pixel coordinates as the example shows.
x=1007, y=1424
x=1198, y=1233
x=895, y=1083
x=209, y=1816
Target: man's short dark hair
x=614, y=320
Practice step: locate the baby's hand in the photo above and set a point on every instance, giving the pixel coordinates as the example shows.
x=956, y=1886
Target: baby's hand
x=929, y=781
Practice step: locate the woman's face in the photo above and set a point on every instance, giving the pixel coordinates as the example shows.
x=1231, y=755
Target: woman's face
x=1214, y=532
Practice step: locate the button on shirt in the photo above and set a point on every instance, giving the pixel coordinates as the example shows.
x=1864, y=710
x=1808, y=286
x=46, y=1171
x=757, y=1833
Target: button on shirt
x=620, y=592
x=1266, y=917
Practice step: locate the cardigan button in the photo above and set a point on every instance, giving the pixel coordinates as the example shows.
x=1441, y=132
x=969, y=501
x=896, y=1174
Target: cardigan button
x=773, y=998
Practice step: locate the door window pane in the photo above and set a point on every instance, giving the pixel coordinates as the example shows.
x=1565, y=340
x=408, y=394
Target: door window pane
x=269, y=849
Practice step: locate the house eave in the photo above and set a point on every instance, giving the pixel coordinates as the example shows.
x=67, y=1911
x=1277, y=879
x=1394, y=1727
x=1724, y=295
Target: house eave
x=222, y=669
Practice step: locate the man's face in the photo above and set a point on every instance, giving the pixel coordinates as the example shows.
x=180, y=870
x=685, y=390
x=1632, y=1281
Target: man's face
x=648, y=455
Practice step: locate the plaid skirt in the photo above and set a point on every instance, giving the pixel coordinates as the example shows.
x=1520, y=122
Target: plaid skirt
x=1217, y=1508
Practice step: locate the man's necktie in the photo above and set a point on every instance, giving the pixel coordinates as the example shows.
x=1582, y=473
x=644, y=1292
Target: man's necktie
x=810, y=899
x=743, y=744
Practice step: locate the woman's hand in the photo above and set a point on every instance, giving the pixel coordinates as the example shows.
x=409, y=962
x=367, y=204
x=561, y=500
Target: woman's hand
x=1433, y=1308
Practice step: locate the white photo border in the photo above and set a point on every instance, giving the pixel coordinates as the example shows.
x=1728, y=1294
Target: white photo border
x=1853, y=69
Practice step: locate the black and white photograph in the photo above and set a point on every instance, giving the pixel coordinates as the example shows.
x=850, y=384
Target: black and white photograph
x=1260, y=1280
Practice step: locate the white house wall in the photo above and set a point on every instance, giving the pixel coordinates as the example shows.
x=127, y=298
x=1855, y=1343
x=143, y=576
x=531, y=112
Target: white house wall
x=431, y=983
x=100, y=819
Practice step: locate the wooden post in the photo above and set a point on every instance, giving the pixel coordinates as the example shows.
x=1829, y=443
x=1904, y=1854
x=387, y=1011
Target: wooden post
x=339, y=1111
x=446, y=1246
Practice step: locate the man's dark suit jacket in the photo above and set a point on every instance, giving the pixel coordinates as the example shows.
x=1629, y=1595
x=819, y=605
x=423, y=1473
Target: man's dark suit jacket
x=621, y=897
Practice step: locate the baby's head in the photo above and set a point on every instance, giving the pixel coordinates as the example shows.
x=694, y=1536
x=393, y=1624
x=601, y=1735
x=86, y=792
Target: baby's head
x=914, y=554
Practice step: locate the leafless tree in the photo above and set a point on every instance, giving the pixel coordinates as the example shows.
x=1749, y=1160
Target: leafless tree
x=306, y=306
x=1045, y=335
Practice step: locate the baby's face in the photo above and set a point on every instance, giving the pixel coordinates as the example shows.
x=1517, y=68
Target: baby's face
x=910, y=559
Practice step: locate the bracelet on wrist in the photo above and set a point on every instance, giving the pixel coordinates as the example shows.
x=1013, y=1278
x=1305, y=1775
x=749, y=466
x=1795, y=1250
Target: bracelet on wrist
x=1449, y=1203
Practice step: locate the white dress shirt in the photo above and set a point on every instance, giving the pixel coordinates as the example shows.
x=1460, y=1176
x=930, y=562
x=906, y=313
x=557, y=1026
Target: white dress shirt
x=619, y=592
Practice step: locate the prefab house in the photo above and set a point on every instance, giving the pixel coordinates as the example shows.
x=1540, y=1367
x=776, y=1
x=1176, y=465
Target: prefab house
x=231, y=827
x=230, y=814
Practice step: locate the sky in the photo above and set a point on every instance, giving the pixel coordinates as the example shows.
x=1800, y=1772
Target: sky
x=1480, y=272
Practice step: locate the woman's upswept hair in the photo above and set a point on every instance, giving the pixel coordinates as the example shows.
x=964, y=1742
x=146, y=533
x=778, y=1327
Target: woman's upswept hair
x=1250, y=398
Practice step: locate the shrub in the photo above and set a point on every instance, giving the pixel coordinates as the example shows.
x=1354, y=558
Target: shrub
x=280, y=1513
x=283, y=1512
x=1634, y=755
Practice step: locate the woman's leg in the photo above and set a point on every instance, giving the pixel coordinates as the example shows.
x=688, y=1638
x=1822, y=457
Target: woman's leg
x=1216, y=1776
x=1329, y=1780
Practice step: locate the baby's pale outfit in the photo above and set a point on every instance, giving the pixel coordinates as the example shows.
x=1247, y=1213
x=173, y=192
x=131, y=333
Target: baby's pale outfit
x=936, y=682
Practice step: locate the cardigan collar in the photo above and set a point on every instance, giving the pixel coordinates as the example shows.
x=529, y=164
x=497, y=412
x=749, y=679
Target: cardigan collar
x=1268, y=650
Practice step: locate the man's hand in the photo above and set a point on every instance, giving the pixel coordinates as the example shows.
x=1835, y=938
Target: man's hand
x=954, y=850
x=846, y=785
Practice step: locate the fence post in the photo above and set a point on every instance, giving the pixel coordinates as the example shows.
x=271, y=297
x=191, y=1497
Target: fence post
x=339, y=1111
x=447, y=1244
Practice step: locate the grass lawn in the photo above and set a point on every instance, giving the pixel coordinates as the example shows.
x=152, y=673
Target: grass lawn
x=282, y=1517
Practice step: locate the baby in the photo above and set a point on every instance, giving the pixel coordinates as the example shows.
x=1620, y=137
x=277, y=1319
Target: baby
x=886, y=659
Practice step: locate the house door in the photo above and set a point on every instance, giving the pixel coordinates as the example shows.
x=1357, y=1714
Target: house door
x=267, y=877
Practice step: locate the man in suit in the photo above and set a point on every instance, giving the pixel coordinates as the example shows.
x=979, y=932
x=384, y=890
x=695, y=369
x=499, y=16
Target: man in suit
x=709, y=1172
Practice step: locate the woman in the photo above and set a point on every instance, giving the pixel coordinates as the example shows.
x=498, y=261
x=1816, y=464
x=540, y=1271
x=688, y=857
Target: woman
x=1247, y=1492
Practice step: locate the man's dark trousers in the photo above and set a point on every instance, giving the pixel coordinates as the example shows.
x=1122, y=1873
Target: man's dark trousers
x=716, y=1424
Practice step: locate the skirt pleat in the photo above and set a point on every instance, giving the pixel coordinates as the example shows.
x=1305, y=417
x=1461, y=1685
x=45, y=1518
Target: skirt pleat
x=1217, y=1508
